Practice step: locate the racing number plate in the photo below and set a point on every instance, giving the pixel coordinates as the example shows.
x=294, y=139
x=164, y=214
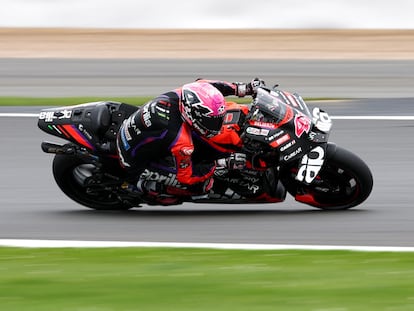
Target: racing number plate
x=310, y=165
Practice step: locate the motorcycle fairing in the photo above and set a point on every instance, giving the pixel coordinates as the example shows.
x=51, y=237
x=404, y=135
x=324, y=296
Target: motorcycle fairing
x=282, y=121
x=310, y=164
x=91, y=125
x=77, y=134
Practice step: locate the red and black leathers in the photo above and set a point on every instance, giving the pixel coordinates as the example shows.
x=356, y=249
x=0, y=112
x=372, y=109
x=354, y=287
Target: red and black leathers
x=156, y=133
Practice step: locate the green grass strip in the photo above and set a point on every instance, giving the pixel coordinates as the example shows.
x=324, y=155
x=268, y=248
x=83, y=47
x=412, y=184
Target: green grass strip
x=68, y=101
x=201, y=279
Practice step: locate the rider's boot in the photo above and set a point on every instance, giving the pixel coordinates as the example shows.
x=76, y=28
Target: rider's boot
x=154, y=193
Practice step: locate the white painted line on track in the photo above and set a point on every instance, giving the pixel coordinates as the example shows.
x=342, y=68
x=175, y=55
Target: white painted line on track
x=19, y=115
x=227, y=246
x=374, y=118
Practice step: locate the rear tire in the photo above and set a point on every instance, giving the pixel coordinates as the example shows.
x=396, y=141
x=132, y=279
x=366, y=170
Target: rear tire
x=68, y=169
x=344, y=181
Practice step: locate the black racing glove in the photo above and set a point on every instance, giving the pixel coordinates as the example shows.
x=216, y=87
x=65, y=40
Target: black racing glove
x=236, y=161
x=252, y=86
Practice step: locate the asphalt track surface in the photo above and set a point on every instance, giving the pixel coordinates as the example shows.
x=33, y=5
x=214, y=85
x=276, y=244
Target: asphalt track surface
x=32, y=207
x=117, y=77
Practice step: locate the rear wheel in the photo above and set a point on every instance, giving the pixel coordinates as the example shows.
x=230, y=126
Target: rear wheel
x=343, y=182
x=71, y=175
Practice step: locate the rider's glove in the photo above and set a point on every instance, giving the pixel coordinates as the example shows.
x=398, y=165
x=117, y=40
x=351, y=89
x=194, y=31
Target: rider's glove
x=251, y=88
x=236, y=161
x=241, y=89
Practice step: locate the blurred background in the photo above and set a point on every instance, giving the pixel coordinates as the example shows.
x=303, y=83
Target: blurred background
x=322, y=49
x=212, y=14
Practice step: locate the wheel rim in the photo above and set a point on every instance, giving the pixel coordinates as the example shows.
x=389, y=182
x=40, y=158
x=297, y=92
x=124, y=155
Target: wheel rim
x=81, y=183
x=333, y=188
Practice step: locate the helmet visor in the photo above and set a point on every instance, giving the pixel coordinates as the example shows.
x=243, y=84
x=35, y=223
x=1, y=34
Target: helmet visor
x=212, y=125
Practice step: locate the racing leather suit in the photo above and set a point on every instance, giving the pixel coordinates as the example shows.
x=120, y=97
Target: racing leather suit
x=156, y=137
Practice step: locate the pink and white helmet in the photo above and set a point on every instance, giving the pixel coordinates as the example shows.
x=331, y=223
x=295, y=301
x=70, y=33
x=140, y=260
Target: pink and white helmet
x=202, y=106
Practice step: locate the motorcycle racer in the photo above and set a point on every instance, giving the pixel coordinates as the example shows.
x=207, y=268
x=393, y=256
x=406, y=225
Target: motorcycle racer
x=158, y=141
x=260, y=151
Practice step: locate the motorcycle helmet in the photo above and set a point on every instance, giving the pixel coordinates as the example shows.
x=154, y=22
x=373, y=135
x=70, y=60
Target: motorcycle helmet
x=202, y=106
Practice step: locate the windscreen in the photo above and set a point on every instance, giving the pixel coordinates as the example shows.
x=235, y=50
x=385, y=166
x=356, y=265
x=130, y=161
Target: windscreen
x=276, y=103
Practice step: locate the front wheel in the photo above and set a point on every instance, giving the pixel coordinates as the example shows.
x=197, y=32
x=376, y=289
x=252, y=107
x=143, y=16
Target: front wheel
x=343, y=182
x=71, y=172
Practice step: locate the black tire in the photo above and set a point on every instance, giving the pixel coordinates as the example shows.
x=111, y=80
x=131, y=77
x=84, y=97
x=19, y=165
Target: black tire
x=64, y=168
x=344, y=181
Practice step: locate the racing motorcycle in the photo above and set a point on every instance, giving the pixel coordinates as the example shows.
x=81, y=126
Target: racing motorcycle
x=286, y=145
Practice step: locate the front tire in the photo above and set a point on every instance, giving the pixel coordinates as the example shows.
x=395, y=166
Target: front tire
x=68, y=171
x=343, y=182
